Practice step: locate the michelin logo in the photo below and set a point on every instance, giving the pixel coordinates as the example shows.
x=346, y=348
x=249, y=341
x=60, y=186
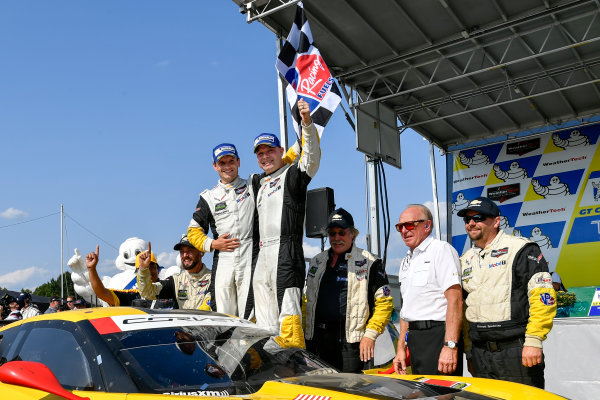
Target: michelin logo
x=555, y=187
x=514, y=172
x=575, y=139
x=479, y=158
x=543, y=241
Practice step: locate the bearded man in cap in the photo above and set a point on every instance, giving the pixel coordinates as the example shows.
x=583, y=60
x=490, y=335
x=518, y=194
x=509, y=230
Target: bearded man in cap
x=187, y=289
x=348, y=300
x=510, y=301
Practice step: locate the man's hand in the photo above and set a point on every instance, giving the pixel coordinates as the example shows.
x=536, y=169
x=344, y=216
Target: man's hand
x=91, y=260
x=146, y=257
x=447, y=360
x=304, y=109
x=223, y=243
x=531, y=356
x=400, y=360
x=367, y=349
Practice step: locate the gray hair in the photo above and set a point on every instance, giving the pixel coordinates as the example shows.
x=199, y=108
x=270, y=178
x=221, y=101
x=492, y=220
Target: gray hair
x=426, y=211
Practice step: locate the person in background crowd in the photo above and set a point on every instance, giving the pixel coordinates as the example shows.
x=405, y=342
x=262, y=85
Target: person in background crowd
x=431, y=299
x=510, y=301
x=348, y=301
x=188, y=289
x=280, y=203
x=80, y=303
x=228, y=211
x=70, y=303
x=113, y=297
x=28, y=309
x=55, y=303
x=15, y=313
x=557, y=282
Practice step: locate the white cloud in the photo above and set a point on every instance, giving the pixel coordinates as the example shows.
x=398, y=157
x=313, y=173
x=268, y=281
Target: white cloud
x=28, y=278
x=12, y=213
x=310, y=250
x=167, y=259
x=163, y=64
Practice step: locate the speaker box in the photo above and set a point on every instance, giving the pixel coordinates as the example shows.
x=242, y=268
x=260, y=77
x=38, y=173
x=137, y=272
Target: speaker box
x=319, y=204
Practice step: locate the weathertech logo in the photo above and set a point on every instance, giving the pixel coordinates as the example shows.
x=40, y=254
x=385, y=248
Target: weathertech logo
x=311, y=397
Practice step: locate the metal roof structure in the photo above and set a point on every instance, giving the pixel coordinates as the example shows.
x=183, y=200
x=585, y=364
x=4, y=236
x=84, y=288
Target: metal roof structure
x=457, y=71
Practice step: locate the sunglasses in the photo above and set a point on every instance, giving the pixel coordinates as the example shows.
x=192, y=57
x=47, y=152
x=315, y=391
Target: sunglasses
x=70, y=301
x=475, y=218
x=409, y=225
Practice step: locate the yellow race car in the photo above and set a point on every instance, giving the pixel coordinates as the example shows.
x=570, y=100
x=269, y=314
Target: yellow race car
x=136, y=353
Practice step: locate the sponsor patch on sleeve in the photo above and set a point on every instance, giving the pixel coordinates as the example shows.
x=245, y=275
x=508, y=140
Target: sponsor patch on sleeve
x=547, y=299
x=386, y=290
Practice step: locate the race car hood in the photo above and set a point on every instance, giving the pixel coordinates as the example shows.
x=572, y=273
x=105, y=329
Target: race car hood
x=327, y=387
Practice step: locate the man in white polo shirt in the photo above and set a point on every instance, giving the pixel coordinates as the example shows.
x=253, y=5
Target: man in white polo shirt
x=431, y=298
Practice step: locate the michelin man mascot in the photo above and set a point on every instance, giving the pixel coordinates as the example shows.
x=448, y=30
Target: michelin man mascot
x=125, y=262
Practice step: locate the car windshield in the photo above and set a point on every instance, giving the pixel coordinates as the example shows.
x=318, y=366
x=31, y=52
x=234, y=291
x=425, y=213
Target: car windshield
x=208, y=360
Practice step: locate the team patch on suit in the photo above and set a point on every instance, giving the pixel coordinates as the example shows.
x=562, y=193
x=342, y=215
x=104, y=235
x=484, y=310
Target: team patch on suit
x=386, y=290
x=244, y=197
x=547, y=299
x=360, y=263
x=499, y=252
x=497, y=264
x=312, y=271
x=220, y=206
x=271, y=184
x=240, y=190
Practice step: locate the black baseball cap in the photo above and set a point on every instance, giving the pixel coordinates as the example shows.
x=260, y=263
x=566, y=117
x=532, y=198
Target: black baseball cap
x=340, y=218
x=183, y=242
x=55, y=298
x=482, y=205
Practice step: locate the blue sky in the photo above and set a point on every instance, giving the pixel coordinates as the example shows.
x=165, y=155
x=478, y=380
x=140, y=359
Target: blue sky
x=113, y=108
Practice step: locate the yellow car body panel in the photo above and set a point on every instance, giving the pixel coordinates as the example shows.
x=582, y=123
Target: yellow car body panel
x=488, y=387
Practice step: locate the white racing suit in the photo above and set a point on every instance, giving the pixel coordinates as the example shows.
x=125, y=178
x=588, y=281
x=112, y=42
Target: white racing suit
x=188, y=291
x=280, y=268
x=228, y=208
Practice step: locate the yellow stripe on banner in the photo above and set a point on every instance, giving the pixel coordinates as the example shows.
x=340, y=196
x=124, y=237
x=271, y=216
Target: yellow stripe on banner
x=578, y=263
x=457, y=164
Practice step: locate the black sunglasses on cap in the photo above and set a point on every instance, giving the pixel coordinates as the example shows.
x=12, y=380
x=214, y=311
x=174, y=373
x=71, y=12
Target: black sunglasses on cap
x=475, y=217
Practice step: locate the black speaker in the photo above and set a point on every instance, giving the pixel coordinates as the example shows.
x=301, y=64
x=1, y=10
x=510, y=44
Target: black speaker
x=319, y=204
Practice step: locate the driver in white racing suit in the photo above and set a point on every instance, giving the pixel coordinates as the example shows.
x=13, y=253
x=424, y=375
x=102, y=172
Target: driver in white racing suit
x=281, y=201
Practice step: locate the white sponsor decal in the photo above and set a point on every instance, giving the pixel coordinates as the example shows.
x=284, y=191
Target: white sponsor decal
x=154, y=321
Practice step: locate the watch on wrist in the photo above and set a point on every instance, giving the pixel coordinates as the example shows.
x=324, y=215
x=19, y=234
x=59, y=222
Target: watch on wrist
x=450, y=344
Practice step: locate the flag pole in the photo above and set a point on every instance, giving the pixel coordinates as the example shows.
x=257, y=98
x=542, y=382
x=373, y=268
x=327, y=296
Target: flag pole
x=62, y=276
x=282, y=102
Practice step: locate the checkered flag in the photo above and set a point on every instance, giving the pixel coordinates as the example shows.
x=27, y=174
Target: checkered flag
x=303, y=69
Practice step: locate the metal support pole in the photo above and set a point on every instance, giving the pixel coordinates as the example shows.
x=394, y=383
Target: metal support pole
x=436, y=207
x=373, y=208
x=282, y=103
x=62, y=276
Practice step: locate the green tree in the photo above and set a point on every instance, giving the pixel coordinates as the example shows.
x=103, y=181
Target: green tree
x=51, y=288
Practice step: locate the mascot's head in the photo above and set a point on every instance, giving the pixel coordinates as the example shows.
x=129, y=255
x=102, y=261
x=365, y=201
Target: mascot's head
x=514, y=165
x=535, y=232
x=128, y=250
x=478, y=153
x=555, y=180
x=460, y=196
x=574, y=133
